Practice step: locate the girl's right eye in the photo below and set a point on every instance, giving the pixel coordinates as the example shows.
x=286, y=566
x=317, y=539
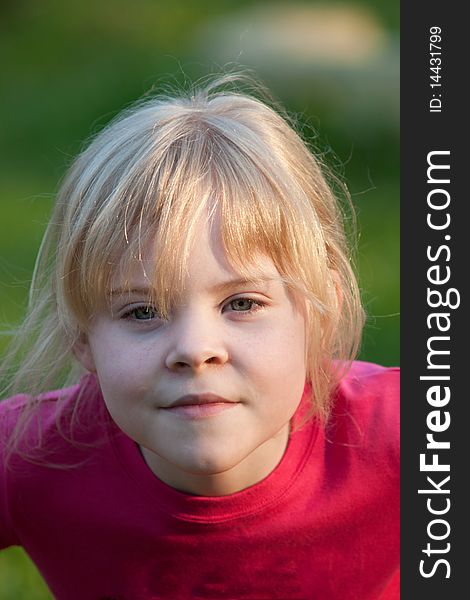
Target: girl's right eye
x=141, y=313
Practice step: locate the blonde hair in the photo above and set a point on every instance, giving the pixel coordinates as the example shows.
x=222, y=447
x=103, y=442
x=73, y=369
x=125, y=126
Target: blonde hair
x=149, y=175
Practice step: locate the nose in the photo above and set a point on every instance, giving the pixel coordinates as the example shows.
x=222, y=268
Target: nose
x=196, y=345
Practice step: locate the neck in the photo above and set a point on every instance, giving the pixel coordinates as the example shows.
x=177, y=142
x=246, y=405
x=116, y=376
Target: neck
x=250, y=470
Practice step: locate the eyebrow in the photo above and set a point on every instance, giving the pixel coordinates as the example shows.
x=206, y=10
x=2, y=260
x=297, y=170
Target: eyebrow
x=233, y=283
x=144, y=291
x=217, y=288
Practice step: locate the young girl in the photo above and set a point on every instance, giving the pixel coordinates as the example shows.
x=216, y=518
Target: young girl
x=219, y=444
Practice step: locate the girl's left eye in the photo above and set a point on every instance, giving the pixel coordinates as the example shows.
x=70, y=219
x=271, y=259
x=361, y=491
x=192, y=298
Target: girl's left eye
x=245, y=305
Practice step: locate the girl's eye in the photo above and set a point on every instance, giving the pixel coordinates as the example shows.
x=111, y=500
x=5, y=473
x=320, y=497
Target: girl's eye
x=244, y=305
x=141, y=313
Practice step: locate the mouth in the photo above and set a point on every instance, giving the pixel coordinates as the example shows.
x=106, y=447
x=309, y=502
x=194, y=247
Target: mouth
x=199, y=405
x=199, y=400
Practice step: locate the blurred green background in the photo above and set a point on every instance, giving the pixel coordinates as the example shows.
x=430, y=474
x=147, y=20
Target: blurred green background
x=68, y=67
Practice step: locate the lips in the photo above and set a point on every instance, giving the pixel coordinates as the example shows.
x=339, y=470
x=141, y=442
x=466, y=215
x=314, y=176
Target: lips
x=199, y=400
x=199, y=406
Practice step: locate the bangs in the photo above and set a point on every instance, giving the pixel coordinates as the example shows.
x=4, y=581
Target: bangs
x=204, y=175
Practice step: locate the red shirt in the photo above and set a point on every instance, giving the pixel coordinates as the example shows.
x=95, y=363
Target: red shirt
x=323, y=525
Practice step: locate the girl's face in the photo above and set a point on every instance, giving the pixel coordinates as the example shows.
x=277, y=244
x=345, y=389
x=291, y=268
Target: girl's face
x=209, y=393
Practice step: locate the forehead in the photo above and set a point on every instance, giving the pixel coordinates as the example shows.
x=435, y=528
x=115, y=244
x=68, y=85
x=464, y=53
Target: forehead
x=206, y=262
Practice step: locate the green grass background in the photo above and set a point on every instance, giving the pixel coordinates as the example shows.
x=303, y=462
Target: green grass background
x=69, y=67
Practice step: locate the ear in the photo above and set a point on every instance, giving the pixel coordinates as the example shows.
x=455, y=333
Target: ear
x=335, y=292
x=337, y=289
x=83, y=353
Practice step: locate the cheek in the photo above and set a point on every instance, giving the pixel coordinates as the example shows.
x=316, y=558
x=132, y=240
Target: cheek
x=286, y=344
x=277, y=359
x=120, y=366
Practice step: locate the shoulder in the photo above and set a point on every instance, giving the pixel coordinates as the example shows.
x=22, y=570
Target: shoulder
x=32, y=427
x=370, y=388
x=43, y=442
x=365, y=377
x=366, y=412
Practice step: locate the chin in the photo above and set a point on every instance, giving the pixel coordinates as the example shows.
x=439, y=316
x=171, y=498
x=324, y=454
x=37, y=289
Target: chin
x=209, y=462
